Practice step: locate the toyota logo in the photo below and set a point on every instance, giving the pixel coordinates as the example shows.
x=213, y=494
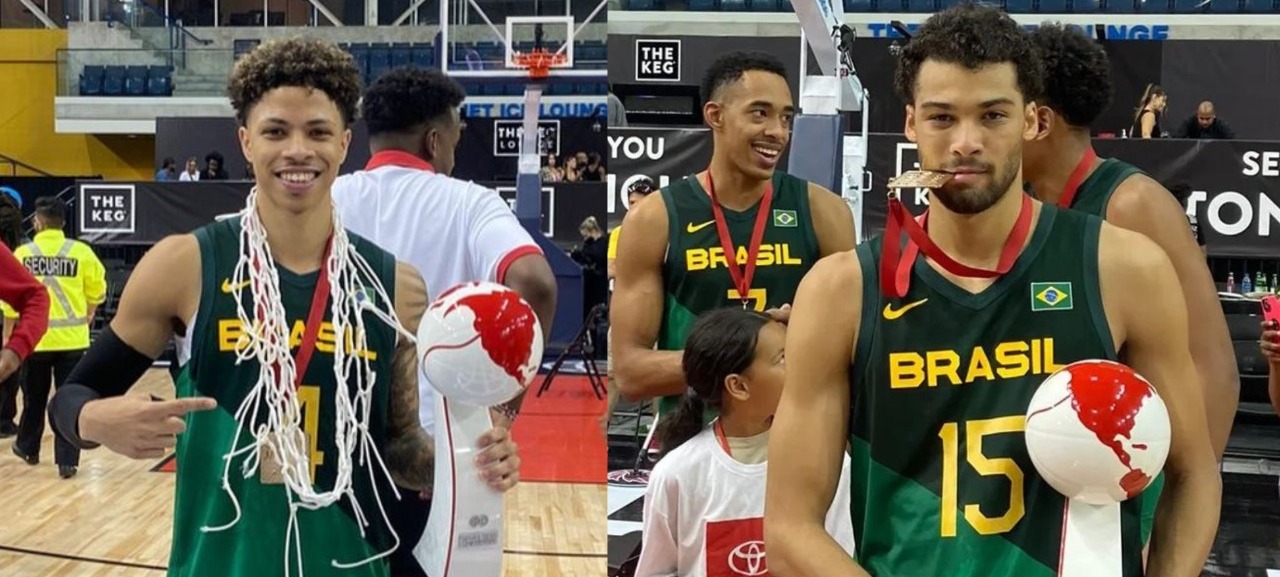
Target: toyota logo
x=748, y=559
x=478, y=521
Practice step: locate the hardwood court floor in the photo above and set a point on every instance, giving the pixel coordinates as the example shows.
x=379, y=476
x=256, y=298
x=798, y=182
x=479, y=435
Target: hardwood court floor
x=114, y=518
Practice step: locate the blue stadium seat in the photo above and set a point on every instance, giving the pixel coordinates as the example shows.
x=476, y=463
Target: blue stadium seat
x=135, y=81
x=401, y=55
x=160, y=81
x=91, y=80
x=1085, y=6
x=889, y=5
x=641, y=5
x=1224, y=6
x=1025, y=6
x=765, y=5
x=1153, y=6
x=922, y=6
x=360, y=53
x=113, y=81
x=857, y=6
x=945, y=4
x=379, y=62
x=1190, y=6
x=594, y=51
x=703, y=5
x=733, y=5
x=1258, y=6
x=423, y=56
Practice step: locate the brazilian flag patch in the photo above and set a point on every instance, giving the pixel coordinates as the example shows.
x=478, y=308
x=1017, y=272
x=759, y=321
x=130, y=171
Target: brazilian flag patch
x=1051, y=296
x=784, y=218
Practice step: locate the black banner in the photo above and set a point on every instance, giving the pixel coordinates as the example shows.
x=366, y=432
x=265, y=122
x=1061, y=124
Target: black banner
x=481, y=154
x=1235, y=184
x=142, y=213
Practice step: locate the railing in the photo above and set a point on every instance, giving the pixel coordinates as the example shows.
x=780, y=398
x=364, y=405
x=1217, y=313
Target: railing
x=140, y=16
x=14, y=164
x=201, y=72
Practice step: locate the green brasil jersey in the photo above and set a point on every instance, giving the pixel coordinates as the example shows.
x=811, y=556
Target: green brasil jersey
x=256, y=546
x=696, y=278
x=1092, y=197
x=941, y=480
x=1095, y=192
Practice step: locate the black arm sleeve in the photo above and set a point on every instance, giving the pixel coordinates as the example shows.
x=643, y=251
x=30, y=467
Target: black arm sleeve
x=109, y=368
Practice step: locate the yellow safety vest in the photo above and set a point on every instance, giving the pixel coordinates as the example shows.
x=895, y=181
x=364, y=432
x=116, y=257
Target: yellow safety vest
x=75, y=279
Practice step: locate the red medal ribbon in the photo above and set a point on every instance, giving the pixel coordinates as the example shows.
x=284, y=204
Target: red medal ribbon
x=741, y=280
x=314, y=317
x=720, y=438
x=1077, y=178
x=895, y=269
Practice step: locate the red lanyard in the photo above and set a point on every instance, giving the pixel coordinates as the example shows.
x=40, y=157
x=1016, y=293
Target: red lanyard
x=1077, y=178
x=895, y=270
x=314, y=317
x=741, y=280
x=720, y=438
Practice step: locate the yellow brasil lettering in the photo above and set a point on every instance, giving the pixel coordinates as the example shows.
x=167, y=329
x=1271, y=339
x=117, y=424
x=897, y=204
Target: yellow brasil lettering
x=777, y=254
x=231, y=336
x=1009, y=360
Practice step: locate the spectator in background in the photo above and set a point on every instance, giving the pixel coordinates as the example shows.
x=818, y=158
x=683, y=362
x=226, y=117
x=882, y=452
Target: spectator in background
x=1182, y=192
x=192, y=172
x=1146, y=119
x=21, y=290
x=76, y=282
x=552, y=171
x=617, y=113
x=168, y=170
x=1206, y=125
x=572, y=170
x=593, y=255
x=214, y=168
x=594, y=170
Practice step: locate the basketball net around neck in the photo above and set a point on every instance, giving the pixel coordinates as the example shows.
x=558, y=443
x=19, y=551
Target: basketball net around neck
x=270, y=411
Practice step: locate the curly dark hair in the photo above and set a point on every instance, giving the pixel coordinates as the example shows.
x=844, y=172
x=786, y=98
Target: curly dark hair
x=305, y=62
x=970, y=35
x=406, y=99
x=1077, y=74
x=730, y=67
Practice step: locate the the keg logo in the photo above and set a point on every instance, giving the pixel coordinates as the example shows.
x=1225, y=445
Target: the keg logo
x=748, y=559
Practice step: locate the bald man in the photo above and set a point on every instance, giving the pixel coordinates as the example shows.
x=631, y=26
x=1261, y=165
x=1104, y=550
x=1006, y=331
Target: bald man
x=1206, y=124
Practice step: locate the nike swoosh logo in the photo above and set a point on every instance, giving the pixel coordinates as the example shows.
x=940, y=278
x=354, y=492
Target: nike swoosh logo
x=228, y=288
x=890, y=314
x=697, y=227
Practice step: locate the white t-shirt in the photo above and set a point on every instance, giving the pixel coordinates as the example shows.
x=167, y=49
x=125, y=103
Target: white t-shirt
x=452, y=231
x=704, y=514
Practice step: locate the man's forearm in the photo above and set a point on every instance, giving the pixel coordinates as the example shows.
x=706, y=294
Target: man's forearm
x=649, y=373
x=1186, y=523
x=1222, y=398
x=1273, y=387
x=410, y=458
x=808, y=551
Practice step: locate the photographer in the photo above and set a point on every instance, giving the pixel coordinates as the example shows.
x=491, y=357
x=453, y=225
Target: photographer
x=593, y=256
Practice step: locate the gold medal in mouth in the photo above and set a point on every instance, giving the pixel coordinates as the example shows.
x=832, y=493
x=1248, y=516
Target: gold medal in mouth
x=920, y=179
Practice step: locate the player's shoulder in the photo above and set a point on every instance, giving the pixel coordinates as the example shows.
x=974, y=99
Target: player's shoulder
x=1127, y=253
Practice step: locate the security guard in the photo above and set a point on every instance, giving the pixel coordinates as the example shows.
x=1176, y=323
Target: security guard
x=76, y=282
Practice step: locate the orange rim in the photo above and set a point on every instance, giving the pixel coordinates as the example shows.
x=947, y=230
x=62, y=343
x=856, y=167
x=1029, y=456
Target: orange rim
x=539, y=62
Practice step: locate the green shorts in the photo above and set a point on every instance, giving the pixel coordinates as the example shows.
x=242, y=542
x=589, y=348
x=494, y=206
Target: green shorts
x=1149, y=499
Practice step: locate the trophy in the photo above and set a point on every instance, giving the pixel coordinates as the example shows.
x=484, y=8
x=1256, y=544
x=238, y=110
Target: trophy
x=479, y=345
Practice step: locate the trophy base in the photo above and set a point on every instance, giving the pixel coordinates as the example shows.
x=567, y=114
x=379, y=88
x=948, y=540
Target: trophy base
x=1091, y=541
x=464, y=533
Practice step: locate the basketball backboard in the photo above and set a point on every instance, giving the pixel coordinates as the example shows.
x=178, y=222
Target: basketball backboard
x=481, y=38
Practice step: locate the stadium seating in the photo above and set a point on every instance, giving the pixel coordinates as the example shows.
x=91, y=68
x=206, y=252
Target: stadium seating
x=373, y=60
x=1012, y=6
x=133, y=80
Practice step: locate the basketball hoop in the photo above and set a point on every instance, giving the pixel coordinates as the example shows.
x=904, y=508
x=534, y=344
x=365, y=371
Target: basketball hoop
x=539, y=62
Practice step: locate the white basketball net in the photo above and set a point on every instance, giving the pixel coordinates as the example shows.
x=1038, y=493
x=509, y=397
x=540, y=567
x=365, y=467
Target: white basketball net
x=266, y=340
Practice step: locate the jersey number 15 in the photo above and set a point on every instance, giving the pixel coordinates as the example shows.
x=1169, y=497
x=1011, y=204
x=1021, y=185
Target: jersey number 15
x=974, y=431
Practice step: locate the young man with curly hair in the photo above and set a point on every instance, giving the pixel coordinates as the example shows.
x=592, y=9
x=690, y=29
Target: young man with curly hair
x=1063, y=169
x=297, y=407
x=413, y=123
x=938, y=361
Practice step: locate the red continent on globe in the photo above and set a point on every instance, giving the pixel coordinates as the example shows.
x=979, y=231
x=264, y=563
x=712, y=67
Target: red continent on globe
x=1134, y=483
x=1107, y=398
x=505, y=326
